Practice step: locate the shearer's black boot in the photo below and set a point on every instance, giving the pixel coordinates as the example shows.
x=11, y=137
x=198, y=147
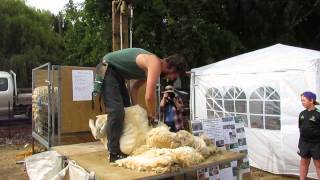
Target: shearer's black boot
x=116, y=156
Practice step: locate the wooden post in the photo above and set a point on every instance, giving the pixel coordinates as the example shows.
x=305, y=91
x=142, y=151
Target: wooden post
x=124, y=12
x=117, y=11
x=120, y=27
x=115, y=27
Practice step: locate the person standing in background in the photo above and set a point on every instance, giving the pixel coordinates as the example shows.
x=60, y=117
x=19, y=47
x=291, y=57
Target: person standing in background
x=309, y=142
x=172, y=107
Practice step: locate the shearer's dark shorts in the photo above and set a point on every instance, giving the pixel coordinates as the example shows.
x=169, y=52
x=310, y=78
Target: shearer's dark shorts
x=309, y=149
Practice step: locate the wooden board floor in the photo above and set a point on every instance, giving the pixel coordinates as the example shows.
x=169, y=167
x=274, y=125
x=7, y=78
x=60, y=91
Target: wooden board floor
x=74, y=138
x=82, y=148
x=93, y=157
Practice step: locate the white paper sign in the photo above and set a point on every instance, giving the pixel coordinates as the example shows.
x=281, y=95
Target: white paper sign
x=82, y=85
x=213, y=128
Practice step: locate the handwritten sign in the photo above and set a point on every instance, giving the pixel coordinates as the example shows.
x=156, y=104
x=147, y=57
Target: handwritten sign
x=82, y=85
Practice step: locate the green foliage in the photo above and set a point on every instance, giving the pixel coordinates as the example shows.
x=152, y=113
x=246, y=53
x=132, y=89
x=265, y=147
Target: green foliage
x=88, y=35
x=193, y=28
x=260, y=23
x=190, y=30
x=26, y=39
x=205, y=31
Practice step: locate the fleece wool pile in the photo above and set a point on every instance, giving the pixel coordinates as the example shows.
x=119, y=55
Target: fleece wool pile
x=166, y=151
x=162, y=160
x=161, y=137
x=154, y=149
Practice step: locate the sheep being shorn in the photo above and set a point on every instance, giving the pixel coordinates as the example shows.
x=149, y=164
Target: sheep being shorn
x=154, y=149
x=134, y=132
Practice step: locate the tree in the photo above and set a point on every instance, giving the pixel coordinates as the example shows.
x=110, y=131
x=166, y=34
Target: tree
x=205, y=31
x=260, y=23
x=193, y=28
x=26, y=39
x=88, y=35
x=162, y=27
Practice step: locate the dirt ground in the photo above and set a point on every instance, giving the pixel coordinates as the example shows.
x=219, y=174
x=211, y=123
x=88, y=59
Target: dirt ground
x=257, y=174
x=16, y=140
x=13, y=139
x=9, y=169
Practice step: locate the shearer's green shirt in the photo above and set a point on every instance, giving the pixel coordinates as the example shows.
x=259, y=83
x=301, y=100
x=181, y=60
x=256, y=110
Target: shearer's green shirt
x=125, y=62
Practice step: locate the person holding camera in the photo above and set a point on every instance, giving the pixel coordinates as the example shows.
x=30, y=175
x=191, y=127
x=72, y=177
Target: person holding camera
x=172, y=107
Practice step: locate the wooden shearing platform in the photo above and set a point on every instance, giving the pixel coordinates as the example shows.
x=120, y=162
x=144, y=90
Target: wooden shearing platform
x=93, y=157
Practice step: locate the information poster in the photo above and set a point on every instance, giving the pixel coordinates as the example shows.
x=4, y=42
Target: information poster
x=228, y=134
x=214, y=130
x=82, y=85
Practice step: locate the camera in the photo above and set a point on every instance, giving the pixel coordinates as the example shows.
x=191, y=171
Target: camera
x=172, y=95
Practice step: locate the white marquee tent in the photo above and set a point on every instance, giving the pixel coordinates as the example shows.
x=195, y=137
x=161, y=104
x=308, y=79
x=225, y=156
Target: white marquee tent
x=263, y=87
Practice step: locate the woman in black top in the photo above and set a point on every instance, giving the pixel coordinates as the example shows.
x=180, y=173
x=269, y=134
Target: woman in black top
x=309, y=142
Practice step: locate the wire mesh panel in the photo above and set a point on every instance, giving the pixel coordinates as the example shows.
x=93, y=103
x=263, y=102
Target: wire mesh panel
x=41, y=105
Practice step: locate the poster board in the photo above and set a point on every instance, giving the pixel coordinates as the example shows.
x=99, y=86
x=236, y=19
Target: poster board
x=82, y=85
x=74, y=115
x=227, y=133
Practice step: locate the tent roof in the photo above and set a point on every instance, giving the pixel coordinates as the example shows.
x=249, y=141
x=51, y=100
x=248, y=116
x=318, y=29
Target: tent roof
x=278, y=57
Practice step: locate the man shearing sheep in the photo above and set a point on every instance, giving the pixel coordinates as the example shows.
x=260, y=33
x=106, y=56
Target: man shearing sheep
x=142, y=66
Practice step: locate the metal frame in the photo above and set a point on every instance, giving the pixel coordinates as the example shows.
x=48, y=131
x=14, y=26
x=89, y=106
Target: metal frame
x=192, y=96
x=14, y=76
x=158, y=96
x=56, y=71
x=131, y=24
x=59, y=103
x=45, y=142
